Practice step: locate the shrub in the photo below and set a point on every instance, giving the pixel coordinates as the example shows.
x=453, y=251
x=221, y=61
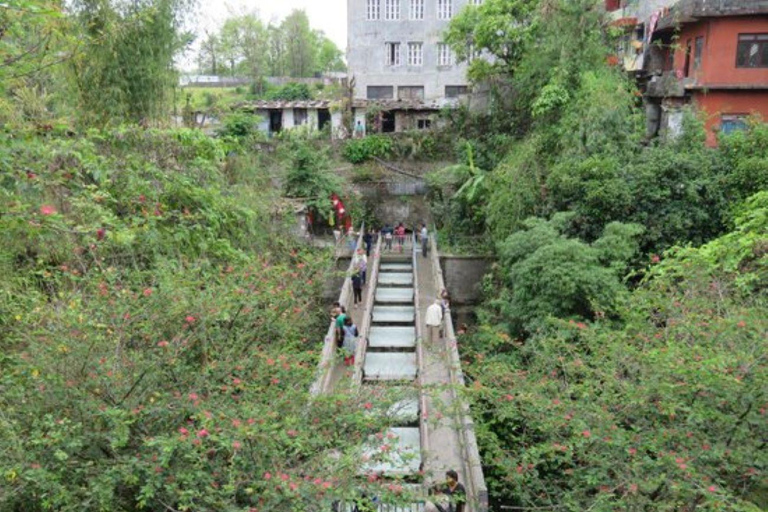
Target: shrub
x=357, y=151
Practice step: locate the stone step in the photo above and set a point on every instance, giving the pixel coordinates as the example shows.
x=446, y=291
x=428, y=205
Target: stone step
x=394, y=296
x=381, y=337
x=397, y=452
x=396, y=267
x=381, y=366
x=393, y=314
x=396, y=279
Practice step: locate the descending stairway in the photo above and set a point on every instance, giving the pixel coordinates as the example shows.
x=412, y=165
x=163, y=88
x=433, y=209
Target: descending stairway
x=391, y=360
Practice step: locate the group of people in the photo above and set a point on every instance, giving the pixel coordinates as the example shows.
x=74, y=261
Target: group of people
x=448, y=496
x=346, y=333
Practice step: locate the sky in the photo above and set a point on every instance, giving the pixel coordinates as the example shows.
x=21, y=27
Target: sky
x=330, y=16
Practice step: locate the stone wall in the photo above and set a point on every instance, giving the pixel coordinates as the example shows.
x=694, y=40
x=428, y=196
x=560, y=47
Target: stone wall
x=463, y=276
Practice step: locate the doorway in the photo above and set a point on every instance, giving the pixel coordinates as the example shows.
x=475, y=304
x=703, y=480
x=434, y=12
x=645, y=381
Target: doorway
x=275, y=121
x=323, y=118
x=388, y=121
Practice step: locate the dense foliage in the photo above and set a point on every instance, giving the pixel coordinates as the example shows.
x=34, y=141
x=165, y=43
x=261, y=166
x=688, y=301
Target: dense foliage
x=159, y=333
x=620, y=358
x=246, y=46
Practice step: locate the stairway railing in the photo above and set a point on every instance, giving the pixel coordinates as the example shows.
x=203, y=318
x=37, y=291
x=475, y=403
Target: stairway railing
x=365, y=325
x=473, y=470
x=328, y=357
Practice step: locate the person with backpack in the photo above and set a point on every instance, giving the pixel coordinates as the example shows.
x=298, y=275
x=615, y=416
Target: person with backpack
x=424, y=240
x=387, y=234
x=400, y=235
x=361, y=264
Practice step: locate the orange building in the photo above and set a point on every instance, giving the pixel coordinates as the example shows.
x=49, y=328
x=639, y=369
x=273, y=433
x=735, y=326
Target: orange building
x=714, y=54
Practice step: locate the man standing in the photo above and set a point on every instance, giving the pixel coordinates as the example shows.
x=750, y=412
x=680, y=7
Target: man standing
x=434, y=320
x=424, y=240
x=448, y=497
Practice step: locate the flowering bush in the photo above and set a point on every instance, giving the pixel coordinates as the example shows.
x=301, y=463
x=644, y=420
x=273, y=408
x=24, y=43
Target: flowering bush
x=159, y=335
x=663, y=410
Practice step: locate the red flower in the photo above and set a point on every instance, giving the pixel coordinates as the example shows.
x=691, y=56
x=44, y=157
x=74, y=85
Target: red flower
x=632, y=451
x=509, y=398
x=586, y=433
x=193, y=396
x=236, y=445
x=284, y=477
x=162, y=344
x=183, y=431
x=292, y=433
x=100, y=233
x=655, y=258
x=202, y=433
x=267, y=476
x=367, y=405
x=712, y=488
x=47, y=209
x=190, y=319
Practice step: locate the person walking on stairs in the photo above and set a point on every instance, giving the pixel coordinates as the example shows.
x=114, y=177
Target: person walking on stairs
x=361, y=264
x=357, y=287
x=350, y=341
x=448, y=497
x=434, y=321
x=424, y=240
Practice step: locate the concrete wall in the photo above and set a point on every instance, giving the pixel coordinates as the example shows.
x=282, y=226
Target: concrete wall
x=463, y=276
x=718, y=103
x=366, y=49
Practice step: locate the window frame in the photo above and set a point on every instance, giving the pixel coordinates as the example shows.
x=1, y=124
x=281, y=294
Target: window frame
x=389, y=88
x=411, y=89
x=373, y=10
x=463, y=88
x=393, y=49
x=698, y=52
x=416, y=11
x=761, y=38
x=445, y=58
x=739, y=122
x=444, y=9
x=412, y=53
x=391, y=10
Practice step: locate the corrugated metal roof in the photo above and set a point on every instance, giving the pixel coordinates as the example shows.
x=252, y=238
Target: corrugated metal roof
x=282, y=104
x=399, y=104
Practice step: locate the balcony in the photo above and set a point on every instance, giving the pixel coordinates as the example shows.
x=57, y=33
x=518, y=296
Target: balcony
x=622, y=13
x=686, y=11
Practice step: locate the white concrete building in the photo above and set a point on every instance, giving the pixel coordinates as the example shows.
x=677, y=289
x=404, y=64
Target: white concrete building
x=396, y=51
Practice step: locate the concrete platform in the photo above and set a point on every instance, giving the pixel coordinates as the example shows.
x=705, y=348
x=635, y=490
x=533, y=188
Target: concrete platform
x=394, y=314
x=381, y=337
x=390, y=366
x=396, y=279
x=397, y=452
x=394, y=296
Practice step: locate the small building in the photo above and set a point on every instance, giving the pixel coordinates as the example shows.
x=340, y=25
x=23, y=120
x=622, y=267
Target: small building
x=276, y=115
x=394, y=116
x=713, y=54
x=709, y=53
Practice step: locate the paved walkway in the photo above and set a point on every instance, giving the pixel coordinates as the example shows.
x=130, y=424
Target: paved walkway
x=444, y=451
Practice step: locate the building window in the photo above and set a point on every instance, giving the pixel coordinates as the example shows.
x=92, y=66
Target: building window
x=424, y=124
x=444, y=55
x=299, y=116
x=733, y=123
x=444, y=9
x=393, y=54
x=410, y=92
x=374, y=9
x=415, y=54
x=454, y=91
x=391, y=10
x=381, y=92
x=698, y=51
x=752, y=51
x=475, y=2
x=417, y=9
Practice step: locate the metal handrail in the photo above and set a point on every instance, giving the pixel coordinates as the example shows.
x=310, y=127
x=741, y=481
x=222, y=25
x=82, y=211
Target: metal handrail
x=327, y=358
x=471, y=455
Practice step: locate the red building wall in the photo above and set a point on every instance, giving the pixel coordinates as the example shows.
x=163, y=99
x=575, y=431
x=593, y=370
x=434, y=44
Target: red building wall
x=721, y=37
x=716, y=103
x=718, y=77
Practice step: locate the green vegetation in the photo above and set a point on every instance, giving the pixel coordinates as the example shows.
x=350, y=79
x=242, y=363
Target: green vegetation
x=357, y=151
x=293, y=49
x=620, y=358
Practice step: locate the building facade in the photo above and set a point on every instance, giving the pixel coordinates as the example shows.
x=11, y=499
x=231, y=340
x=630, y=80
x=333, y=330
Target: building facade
x=709, y=53
x=396, y=51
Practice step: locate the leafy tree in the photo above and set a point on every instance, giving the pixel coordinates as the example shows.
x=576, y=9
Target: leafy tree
x=300, y=44
x=124, y=70
x=501, y=28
